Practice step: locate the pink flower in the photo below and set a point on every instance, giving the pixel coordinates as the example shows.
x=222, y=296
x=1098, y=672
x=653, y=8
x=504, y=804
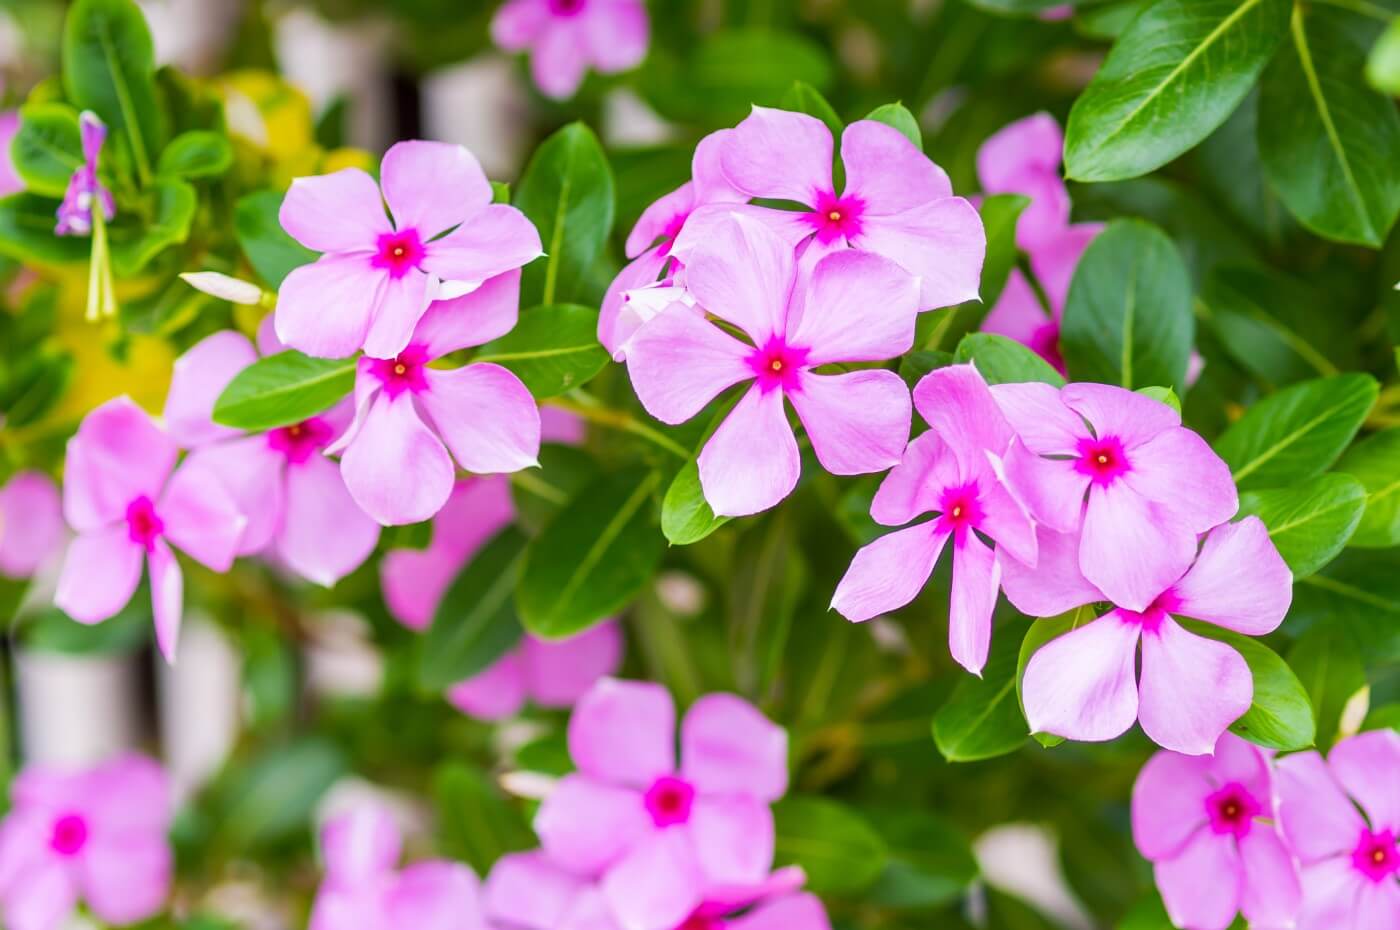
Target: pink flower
x=31, y=523
x=1342, y=820
x=1081, y=685
x=395, y=455
x=1120, y=466
x=1024, y=158
x=1210, y=827
x=293, y=497
x=895, y=203
x=120, y=496
x=86, y=195
x=547, y=674
x=854, y=307
x=97, y=835
x=10, y=181
x=363, y=890
x=372, y=284
x=949, y=472
x=660, y=838
x=567, y=37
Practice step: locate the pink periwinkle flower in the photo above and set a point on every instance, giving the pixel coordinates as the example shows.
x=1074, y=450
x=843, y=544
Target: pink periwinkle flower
x=1082, y=685
x=660, y=837
x=950, y=472
x=1209, y=825
x=895, y=203
x=10, y=181
x=31, y=523
x=1342, y=820
x=97, y=836
x=1024, y=158
x=412, y=420
x=85, y=194
x=567, y=37
x=293, y=497
x=854, y=307
x=364, y=890
x=547, y=674
x=372, y=284
x=1120, y=466
x=128, y=503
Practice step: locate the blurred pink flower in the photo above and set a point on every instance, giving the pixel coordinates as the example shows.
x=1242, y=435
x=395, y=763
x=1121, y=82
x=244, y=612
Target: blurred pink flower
x=371, y=286
x=854, y=307
x=567, y=37
x=949, y=471
x=658, y=837
x=1209, y=825
x=293, y=497
x=10, y=181
x=1342, y=820
x=85, y=193
x=1024, y=158
x=31, y=523
x=547, y=674
x=120, y=496
x=98, y=836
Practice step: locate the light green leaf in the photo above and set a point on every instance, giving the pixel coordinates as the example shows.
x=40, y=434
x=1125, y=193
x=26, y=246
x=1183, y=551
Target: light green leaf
x=272, y=253
x=1005, y=361
x=840, y=852
x=48, y=148
x=1375, y=462
x=1163, y=395
x=982, y=717
x=553, y=349
x=283, y=389
x=196, y=154
x=475, y=622
x=1383, y=64
x=802, y=97
x=137, y=240
x=1310, y=521
x=899, y=117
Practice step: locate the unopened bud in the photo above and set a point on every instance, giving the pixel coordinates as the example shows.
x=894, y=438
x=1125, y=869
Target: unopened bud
x=224, y=287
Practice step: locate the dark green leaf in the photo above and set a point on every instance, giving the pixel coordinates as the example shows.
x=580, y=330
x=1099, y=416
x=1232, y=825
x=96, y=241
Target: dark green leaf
x=930, y=862
x=839, y=851
x=476, y=822
x=196, y=154
x=283, y=389
x=48, y=148
x=915, y=365
x=475, y=622
x=1309, y=521
x=982, y=717
x=1000, y=214
x=272, y=253
x=898, y=116
x=1005, y=361
x=1375, y=462
x=1329, y=665
x=553, y=349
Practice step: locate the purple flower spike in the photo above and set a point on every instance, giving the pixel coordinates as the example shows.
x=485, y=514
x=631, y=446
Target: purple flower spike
x=85, y=193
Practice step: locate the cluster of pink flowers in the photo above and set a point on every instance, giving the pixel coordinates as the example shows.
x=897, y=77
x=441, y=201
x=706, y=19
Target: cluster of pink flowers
x=1299, y=841
x=567, y=37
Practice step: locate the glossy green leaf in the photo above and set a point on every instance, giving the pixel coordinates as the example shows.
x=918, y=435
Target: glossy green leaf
x=1281, y=715
x=982, y=717
x=1383, y=64
x=553, y=349
x=283, y=389
x=136, y=241
x=898, y=116
x=1309, y=521
x=476, y=822
x=196, y=154
x=271, y=252
x=1375, y=462
x=1329, y=665
x=1108, y=20
x=475, y=622
x=840, y=852
x=48, y=148
x=1004, y=361
x=1174, y=75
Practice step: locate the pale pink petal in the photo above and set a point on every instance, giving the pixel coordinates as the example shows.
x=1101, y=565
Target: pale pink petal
x=727, y=899
x=402, y=303
x=1378, y=905
x=1331, y=893
x=558, y=61
x=1272, y=894
x=31, y=523
x=562, y=426
x=702, y=225
x=619, y=320
x=616, y=34
x=1132, y=549
x=679, y=362
x=1006, y=521
x=167, y=598
x=1179, y=456
x=118, y=455
x=859, y=308
x=1368, y=767
x=1169, y=803
x=914, y=485
x=976, y=578
x=498, y=238
x=1114, y=411
x=1040, y=418
x=395, y=468
x=130, y=793
x=432, y=186
x=744, y=274
x=886, y=171
x=486, y=417
x=624, y=732
x=751, y=462
x=590, y=912
x=889, y=572
x=414, y=581
x=658, y=884
x=729, y=747
x=955, y=401
x=1054, y=584
x=1051, y=489
x=201, y=518
x=324, y=309
x=1239, y=760
x=795, y=912
x=1032, y=145
x=488, y=312
x=495, y=693
x=1017, y=313
x=25, y=833
x=518, y=23
x=1201, y=886
x=1317, y=818
x=100, y=573
x=348, y=908
x=337, y=212
x=1080, y=684
x=250, y=471
x=858, y=421
x=1057, y=256
x=267, y=341
x=733, y=837
x=325, y=536
x=660, y=218
x=361, y=844
x=476, y=511
x=42, y=897
x=1192, y=688
x=779, y=155
x=586, y=826
x=435, y=895
x=707, y=170
x=530, y=891
x=1239, y=580
x=559, y=673
x=941, y=242
x=199, y=377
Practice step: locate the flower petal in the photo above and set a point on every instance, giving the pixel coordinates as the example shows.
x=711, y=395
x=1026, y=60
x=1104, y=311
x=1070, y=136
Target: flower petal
x=734, y=838
x=360, y=845
x=956, y=402
x=779, y=155
x=889, y=572
x=586, y=825
x=1005, y=520
x=1114, y=411
x=495, y=693
x=1052, y=490
x=794, y=912
x=436, y=895
x=486, y=416
x=118, y=455
x=518, y=23
x=743, y=273
x=1331, y=893
x=624, y=732
x=402, y=303
x=324, y=536
x=337, y=212
x=324, y=309
x=887, y=171
x=1201, y=886
x=657, y=219
x=1169, y=803
x=1317, y=818
x=1055, y=584
x=559, y=673
x=751, y=462
x=31, y=523
x=496, y=239
x=1378, y=905
x=1017, y=314
x=1368, y=765
x=395, y=468
x=619, y=319
x=976, y=578
x=679, y=362
x=42, y=897
x=199, y=377
x=432, y=186
x=527, y=890
x=201, y=518
x=1272, y=893
x=913, y=486
x=1056, y=257
x=1178, y=457
x=167, y=598
x=101, y=571
x=941, y=242
x=1239, y=580
x=729, y=747
x=250, y=471
x=1080, y=685
x=1192, y=688
x=859, y=308
x=616, y=34
x=858, y=421
x=1038, y=414
x=658, y=884
x=488, y=312
x=1131, y=549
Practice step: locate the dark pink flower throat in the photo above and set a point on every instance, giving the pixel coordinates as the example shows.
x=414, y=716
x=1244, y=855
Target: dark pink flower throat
x=669, y=800
x=1103, y=459
x=398, y=252
x=404, y=373
x=701, y=922
x=961, y=510
x=70, y=835
x=777, y=365
x=1376, y=856
x=1232, y=810
x=835, y=217
x=300, y=441
x=144, y=525
x=567, y=7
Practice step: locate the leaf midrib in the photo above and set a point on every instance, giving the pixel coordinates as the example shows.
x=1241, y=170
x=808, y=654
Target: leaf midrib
x=124, y=101
x=222, y=412
x=1290, y=439
x=538, y=353
x=980, y=718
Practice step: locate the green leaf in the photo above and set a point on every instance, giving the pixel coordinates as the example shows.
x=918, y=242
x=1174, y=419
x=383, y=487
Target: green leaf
x=476, y=822
x=1174, y=75
x=1383, y=64
x=802, y=97
x=1383, y=718
x=1330, y=145
x=1298, y=432
x=1329, y=665
x=1005, y=361
x=1163, y=395
x=475, y=622
x=26, y=232
x=840, y=852
x=1281, y=716
x=1128, y=314
x=1309, y=521
x=592, y=558
x=899, y=117
x=567, y=192
x=982, y=717
x=553, y=349
x=272, y=800
x=283, y=389
x=48, y=148
x=196, y=154
x=1375, y=462
x=138, y=240
x=1108, y=20
x=930, y=861
x=915, y=365
x=272, y=253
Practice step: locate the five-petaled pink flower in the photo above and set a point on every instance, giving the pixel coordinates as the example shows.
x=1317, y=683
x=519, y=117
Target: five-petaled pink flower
x=1121, y=466
x=363, y=888
x=950, y=472
x=372, y=284
x=395, y=455
x=292, y=495
x=1342, y=821
x=97, y=835
x=661, y=837
x=31, y=523
x=567, y=37
x=1081, y=685
x=120, y=496
x=853, y=307
x=1209, y=825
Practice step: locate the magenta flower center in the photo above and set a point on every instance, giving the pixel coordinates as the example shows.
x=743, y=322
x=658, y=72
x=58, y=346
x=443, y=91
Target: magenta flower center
x=1102, y=459
x=777, y=365
x=961, y=510
x=669, y=800
x=701, y=922
x=567, y=7
x=1232, y=809
x=143, y=524
x=70, y=834
x=404, y=373
x=1376, y=856
x=1045, y=342
x=398, y=252
x=669, y=234
x=300, y=441
x=835, y=217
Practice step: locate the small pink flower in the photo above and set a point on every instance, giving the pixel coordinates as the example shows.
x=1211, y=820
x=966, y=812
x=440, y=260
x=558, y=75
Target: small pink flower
x=1210, y=827
x=659, y=837
x=395, y=455
x=98, y=836
x=363, y=890
x=1121, y=466
x=1024, y=158
x=1082, y=685
x=949, y=472
x=31, y=523
x=371, y=286
x=567, y=37
x=854, y=307
x=292, y=495
x=1342, y=820
x=10, y=181
x=85, y=195
x=120, y=496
